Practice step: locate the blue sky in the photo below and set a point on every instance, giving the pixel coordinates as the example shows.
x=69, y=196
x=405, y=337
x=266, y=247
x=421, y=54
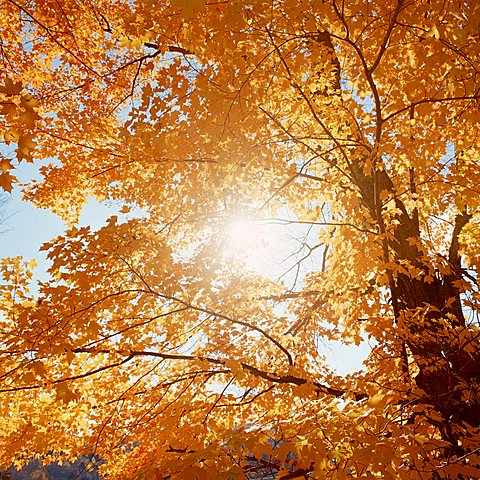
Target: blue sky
x=26, y=227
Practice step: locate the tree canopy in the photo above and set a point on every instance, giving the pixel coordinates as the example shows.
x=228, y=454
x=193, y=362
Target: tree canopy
x=152, y=347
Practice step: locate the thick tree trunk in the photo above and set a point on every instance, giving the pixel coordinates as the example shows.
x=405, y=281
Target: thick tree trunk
x=431, y=322
x=428, y=314
x=427, y=306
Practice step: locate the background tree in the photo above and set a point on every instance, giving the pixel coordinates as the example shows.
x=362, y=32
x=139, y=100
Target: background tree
x=81, y=469
x=151, y=350
x=3, y=204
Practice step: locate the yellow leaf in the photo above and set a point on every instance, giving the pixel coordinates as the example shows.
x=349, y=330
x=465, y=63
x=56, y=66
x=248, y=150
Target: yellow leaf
x=433, y=32
x=11, y=88
x=6, y=181
x=189, y=6
x=28, y=101
x=64, y=393
x=5, y=165
x=11, y=135
x=376, y=400
x=235, y=366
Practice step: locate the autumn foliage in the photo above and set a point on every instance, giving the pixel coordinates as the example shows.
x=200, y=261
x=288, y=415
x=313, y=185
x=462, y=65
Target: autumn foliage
x=151, y=348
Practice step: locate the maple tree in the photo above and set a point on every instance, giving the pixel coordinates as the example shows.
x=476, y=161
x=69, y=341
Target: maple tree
x=146, y=347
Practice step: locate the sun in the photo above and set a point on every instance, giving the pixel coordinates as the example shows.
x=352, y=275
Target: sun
x=256, y=245
x=243, y=234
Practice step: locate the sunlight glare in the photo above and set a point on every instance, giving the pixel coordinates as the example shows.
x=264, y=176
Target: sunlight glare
x=243, y=234
x=257, y=246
